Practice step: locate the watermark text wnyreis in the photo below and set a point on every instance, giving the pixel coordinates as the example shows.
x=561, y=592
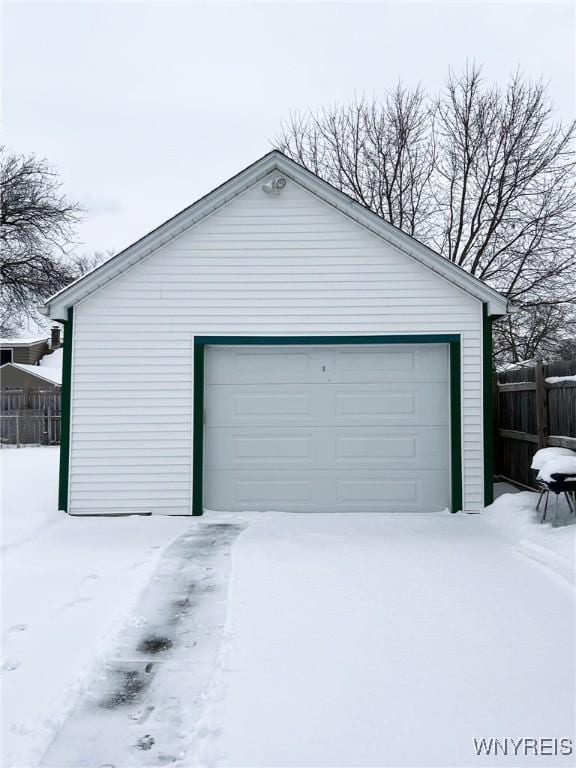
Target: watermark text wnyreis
x=552, y=747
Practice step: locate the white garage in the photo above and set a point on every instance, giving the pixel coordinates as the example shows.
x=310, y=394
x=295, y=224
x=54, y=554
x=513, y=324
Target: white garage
x=276, y=346
x=327, y=428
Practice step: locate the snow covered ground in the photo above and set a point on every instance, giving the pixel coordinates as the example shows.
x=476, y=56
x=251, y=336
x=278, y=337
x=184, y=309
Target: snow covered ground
x=68, y=587
x=330, y=640
x=553, y=545
x=393, y=641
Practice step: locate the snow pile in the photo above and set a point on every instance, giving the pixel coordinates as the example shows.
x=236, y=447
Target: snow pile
x=554, y=547
x=544, y=455
x=69, y=586
x=53, y=360
x=562, y=465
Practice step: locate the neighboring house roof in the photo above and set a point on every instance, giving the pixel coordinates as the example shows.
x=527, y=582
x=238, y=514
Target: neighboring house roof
x=53, y=375
x=22, y=342
x=58, y=304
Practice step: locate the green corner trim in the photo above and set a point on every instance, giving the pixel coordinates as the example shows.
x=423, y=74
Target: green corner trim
x=198, y=436
x=65, y=412
x=488, y=406
x=455, y=427
x=453, y=341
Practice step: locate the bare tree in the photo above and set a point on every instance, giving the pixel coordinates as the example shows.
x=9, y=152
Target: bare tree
x=505, y=188
x=81, y=263
x=36, y=233
x=534, y=333
x=481, y=174
x=566, y=348
x=379, y=153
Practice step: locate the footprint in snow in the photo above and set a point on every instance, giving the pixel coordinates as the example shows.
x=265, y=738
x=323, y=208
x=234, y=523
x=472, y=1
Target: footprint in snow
x=142, y=715
x=79, y=601
x=20, y=730
x=91, y=577
x=145, y=742
x=10, y=666
x=18, y=628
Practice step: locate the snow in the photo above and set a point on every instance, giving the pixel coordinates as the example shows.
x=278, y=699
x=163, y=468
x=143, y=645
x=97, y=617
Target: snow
x=22, y=342
x=558, y=379
x=386, y=640
x=519, y=364
x=168, y=651
x=544, y=455
x=298, y=640
x=53, y=360
x=53, y=375
x=563, y=465
x=68, y=587
x=552, y=545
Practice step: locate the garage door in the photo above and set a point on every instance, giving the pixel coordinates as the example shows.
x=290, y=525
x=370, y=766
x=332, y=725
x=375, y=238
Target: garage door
x=327, y=429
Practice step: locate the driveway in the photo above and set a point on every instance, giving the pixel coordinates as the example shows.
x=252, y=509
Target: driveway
x=388, y=640
x=343, y=640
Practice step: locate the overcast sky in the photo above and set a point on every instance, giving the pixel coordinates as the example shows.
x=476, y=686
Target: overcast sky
x=145, y=107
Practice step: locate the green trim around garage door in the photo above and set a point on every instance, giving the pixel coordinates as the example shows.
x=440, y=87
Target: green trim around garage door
x=455, y=427
x=453, y=341
x=488, y=406
x=198, y=427
x=66, y=395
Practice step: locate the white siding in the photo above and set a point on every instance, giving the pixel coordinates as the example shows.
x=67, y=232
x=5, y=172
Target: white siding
x=261, y=265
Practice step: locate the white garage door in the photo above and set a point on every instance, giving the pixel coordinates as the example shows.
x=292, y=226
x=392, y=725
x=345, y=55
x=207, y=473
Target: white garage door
x=327, y=429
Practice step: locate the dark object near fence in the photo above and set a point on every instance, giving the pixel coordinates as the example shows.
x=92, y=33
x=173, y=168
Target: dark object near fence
x=558, y=484
x=30, y=417
x=531, y=413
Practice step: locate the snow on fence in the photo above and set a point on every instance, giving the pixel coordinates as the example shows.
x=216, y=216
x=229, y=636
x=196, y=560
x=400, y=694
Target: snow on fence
x=30, y=416
x=534, y=407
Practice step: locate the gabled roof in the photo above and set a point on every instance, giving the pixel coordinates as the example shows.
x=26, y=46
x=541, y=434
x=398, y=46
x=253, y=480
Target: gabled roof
x=58, y=304
x=53, y=375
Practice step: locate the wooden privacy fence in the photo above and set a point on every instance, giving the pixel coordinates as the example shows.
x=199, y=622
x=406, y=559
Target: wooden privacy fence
x=30, y=416
x=531, y=413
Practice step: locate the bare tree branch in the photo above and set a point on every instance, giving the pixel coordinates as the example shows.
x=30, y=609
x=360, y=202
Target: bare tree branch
x=481, y=174
x=36, y=235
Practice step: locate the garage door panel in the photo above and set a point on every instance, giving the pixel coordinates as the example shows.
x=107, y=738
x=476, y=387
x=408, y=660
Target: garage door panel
x=424, y=448
x=399, y=363
x=262, y=365
x=326, y=448
x=357, y=403
x=412, y=403
x=286, y=365
x=327, y=491
x=267, y=405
